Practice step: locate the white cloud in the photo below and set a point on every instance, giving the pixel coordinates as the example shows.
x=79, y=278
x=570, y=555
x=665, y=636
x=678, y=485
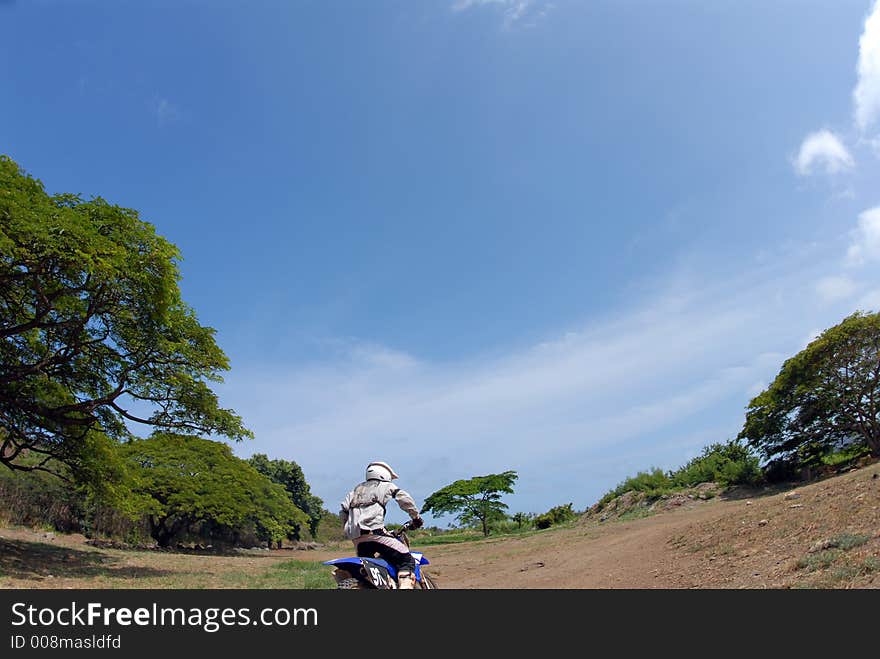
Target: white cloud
x=516, y=12
x=835, y=288
x=865, y=245
x=822, y=149
x=870, y=301
x=635, y=385
x=867, y=92
x=166, y=111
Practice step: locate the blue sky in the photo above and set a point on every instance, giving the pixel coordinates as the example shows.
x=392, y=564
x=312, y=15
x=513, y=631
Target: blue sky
x=463, y=236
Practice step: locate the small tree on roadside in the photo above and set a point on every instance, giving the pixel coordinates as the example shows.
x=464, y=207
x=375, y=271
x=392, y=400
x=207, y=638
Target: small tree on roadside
x=824, y=398
x=522, y=519
x=474, y=501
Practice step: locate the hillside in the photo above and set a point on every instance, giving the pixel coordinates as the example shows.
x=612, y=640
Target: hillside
x=825, y=534
x=726, y=542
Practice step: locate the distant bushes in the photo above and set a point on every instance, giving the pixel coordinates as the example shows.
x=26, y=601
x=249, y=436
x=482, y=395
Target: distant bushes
x=726, y=464
x=556, y=515
x=42, y=500
x=654, y=484
x=176, y=490
x=39, y=499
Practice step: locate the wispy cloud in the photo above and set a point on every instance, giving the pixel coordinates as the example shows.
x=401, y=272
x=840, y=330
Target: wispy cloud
x=867, y=92
x=836, y=288
x=515, y=12
x=822, y=150
x=865, y=243
x=166, y=112
x=870, y=301
x=574, y=414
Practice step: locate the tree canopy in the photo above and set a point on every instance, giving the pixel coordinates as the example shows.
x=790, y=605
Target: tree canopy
x=289, y=475
x=824, y=398
x=93, y=332
x=475, y=500
x=191, y=485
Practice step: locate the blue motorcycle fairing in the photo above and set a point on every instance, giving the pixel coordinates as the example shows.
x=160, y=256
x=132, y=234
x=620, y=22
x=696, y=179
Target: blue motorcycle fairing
x=357, y=560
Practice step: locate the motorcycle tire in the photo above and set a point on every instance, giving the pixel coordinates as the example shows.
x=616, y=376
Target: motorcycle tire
x=427, y=583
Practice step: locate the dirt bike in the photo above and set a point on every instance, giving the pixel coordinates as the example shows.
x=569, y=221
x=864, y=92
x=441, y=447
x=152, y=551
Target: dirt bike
x=357, y=572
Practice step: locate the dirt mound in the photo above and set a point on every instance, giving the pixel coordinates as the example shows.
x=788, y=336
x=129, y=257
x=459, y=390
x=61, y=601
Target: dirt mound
x=821, y=535
x=631, y=505
x=825, y=535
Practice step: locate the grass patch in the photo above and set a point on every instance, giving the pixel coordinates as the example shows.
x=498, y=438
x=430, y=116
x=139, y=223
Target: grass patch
x=446, y=539
x=453, y=537
x=847, y=541
x=635, y=513
x=871, y=564
x=297, y=575
x=819, y=560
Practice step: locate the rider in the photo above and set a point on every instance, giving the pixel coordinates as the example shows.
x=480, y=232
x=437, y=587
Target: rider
x=363, y=520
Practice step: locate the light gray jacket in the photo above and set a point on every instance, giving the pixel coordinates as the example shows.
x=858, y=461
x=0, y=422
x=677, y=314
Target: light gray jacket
x=363, y=509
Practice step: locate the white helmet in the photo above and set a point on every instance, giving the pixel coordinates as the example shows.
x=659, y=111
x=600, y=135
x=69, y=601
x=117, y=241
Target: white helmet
x=380, y=471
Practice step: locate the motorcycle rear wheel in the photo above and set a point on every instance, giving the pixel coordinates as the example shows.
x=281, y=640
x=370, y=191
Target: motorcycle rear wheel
x=427, y=583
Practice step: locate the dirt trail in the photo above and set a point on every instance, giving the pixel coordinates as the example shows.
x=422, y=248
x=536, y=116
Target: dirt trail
x=632, y=554
x=763, y=542
x=777, y=540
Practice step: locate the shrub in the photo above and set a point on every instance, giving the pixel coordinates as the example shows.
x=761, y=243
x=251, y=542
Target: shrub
x=847, y=541
x=39, y=499
x=654, y=483
x=556, y=515
x=727, y=464
x=522, y=519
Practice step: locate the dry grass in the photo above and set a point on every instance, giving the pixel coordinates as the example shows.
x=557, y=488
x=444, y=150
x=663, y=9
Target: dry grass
x=29, y=560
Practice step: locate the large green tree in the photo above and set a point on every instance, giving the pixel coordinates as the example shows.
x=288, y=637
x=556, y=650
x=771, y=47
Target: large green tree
x=476, y=500
x=825, y=397
x=188, y=484
x=94, y=334
x=289, y=475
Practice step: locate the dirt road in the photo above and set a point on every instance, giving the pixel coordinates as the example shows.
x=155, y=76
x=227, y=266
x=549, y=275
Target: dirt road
x=759, y=542
x=825, y=535
x=633, y=554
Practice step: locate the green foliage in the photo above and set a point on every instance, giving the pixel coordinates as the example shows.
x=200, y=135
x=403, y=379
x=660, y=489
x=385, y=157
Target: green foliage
x=556, y=515
x=189, y=485
x=38, y=499
x=92, y=325
x=824, y=399
x=847, y=541
x=289, y=475
x=726, y=464
x=819, y=560
x=845, y=456
x=654, y=483
x=476, y=500
x=329, y=528
x=522, y=519
x=423, y=538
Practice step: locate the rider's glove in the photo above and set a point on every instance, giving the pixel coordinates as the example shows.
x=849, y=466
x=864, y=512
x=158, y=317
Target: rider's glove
x=417, y=523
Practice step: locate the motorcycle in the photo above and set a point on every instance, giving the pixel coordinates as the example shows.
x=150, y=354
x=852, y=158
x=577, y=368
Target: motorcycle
x=358, y=572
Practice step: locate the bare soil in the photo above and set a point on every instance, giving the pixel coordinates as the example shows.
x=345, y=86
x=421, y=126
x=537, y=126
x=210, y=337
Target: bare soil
x=821, y=535
x=742, y=542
